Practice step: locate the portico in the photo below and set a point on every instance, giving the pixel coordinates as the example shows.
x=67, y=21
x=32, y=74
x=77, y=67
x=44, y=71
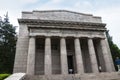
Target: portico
x=56, y=51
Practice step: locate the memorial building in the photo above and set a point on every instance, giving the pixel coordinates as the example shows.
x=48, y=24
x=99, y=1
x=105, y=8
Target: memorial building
x=62, y=42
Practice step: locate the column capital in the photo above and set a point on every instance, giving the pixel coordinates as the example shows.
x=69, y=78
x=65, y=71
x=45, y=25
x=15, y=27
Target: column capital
x=63, y=37
x=48, y=36
x=102, y=38
x=77, y=37
x=90, y=37
x=32, y=36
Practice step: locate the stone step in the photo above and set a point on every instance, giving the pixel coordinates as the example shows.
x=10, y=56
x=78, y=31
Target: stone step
x=90, y=76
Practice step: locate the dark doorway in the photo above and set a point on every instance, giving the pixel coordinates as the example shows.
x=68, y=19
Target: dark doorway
x=70, y=64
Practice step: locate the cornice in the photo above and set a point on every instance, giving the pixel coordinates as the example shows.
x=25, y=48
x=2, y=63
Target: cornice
x=56, y=22
x=66, y=28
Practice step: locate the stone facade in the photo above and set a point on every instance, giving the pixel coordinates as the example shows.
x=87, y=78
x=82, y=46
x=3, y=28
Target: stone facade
x=62, y=42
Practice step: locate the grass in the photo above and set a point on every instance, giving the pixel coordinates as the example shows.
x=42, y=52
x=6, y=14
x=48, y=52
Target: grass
x=3, y=76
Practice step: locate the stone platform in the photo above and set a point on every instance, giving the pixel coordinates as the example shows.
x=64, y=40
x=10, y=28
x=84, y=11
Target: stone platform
x=89, y=76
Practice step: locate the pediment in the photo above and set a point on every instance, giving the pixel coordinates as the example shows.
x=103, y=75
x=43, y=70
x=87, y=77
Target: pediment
x=61, y=15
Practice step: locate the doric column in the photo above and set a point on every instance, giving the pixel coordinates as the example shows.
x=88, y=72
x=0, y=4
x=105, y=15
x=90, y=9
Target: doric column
x=107, y=55
x=78, y=55
x=31, y=57
x=48, y=63
x=63, y=56
x=92, y=55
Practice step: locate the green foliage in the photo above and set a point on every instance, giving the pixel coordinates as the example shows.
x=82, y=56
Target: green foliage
x=115, y=51
x=7, y=46
x=3, y=76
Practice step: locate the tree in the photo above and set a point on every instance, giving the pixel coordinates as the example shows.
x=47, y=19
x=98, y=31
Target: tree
x=7, y=45
x=115, y=51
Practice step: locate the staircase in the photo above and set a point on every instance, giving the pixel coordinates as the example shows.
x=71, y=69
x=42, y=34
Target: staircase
x=89, y=76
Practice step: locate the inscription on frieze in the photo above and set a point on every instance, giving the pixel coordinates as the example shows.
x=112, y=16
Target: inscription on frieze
x=56, y=31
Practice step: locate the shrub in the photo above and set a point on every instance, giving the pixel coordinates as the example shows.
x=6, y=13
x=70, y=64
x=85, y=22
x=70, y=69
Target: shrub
x=3, y=76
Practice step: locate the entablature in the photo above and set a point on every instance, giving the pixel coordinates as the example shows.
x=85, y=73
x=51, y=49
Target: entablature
x=65, y=33
x=62, y=24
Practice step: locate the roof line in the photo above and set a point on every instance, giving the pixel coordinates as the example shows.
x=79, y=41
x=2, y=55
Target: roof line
x=30, y=12
x=61, y=11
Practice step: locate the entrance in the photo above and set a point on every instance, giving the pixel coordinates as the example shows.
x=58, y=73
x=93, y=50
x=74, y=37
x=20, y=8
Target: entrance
x=70, y=64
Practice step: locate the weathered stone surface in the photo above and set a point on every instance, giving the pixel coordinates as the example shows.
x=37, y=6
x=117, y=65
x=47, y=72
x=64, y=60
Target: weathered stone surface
x=106, y=56
x=48, y=63
x=20, y=63
x=93, y=58
x=63, y=56
x=90, y=76
x=79, y=60
x=61, y=15
x=65, y=43
x=31, y=57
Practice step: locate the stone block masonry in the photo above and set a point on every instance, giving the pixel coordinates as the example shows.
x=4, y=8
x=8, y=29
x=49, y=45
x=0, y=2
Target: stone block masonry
x=63, y=45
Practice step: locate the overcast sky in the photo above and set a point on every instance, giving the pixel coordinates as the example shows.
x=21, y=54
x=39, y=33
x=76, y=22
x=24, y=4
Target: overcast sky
x=109, y=10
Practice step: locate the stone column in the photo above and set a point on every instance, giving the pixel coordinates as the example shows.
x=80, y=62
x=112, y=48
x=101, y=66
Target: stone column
x=107, y=56
x=78, y=55
x=63, y=56
x=31, y=56
x=92, y=56
x=48, y=63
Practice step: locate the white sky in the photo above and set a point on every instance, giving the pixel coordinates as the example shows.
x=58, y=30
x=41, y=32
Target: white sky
x=109, y=10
